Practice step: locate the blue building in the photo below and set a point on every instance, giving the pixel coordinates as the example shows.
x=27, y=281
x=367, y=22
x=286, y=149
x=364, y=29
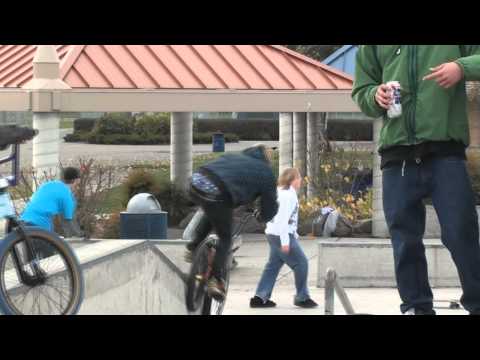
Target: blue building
x=344, y=60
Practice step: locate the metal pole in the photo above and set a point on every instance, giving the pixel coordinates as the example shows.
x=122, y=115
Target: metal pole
x=347, y=305
x=329, y=292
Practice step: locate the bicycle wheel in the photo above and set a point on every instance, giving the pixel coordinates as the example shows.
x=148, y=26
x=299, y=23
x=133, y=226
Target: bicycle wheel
x=59, y=291
x=215, y=307
x=198, y=276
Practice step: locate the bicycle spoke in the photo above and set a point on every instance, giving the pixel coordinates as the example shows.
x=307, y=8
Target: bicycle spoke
x=60, y=308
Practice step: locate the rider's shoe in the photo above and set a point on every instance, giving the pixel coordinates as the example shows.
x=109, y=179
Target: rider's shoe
x=188, y=256
x=413, y=311
x=216, y=289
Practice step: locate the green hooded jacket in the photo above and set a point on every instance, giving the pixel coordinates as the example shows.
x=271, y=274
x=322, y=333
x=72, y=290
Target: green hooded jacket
x=429, y=112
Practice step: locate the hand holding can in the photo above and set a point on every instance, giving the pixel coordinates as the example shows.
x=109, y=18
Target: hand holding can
x=395, y=108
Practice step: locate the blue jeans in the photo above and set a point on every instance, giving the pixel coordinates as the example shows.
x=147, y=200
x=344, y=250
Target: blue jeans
x=446, y=181
x=295, y=259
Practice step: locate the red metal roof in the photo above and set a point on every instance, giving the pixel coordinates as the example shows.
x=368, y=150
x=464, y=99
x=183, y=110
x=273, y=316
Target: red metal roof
x=203, y=67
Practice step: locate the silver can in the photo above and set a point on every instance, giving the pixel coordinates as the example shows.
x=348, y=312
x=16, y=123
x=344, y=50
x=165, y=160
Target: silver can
x=395, y=109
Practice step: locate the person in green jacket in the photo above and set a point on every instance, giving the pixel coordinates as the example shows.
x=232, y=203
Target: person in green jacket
x=423, y=156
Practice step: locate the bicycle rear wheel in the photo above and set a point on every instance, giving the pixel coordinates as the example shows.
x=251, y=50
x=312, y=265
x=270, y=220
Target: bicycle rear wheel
x=198, y=277
x=59, y=290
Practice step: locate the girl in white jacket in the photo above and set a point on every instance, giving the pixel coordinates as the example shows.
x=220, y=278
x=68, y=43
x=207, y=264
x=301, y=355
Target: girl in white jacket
x=284, y=246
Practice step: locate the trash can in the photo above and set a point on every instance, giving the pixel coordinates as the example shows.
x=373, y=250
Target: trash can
x=144, y=219
x=218, y=141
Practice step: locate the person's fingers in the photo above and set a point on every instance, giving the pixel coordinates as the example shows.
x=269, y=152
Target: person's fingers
x=445, y=83
x=436, y=68
x=383, y=100
x=433, y=75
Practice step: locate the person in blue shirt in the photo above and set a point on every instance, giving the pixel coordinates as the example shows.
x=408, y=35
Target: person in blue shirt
x=54, y=198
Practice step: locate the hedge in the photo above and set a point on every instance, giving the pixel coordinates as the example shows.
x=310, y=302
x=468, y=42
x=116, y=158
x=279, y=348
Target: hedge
x=261, y=130
x=137, y=139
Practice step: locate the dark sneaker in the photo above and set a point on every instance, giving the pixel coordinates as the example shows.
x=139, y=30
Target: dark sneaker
x=216, y=289
x=309, y=303
x=413, y=311
x=257, y=302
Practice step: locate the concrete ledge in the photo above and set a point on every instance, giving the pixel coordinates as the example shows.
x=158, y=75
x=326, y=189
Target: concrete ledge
x=369, y=263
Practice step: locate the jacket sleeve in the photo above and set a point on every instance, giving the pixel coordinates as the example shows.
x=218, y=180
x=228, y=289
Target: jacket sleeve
x=268, y=201
x=368, y=77
x=470, y=62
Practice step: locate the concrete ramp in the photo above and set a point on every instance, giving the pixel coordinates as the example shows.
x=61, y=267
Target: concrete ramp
x=132, y=277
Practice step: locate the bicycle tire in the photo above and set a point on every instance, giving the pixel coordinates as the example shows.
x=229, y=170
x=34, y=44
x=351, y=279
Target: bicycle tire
x=72, y=266
x=212, y=306
x=196, y=292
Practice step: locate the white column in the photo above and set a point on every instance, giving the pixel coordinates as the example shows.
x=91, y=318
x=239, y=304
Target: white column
x=181, y=160
x=379, y=225
x=313, y=148
x=285, y=139
x=299, y=142
x=46, y=145
x=46, y=79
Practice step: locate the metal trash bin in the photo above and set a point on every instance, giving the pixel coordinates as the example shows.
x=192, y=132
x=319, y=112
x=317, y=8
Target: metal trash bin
x=144, y=219
x=218, y=142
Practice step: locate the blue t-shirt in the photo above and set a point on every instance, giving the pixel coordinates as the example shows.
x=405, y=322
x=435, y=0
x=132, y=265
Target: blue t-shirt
x=51, y=199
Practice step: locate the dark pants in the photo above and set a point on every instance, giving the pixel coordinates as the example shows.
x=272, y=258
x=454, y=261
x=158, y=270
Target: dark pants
x=218, y=216
x=447, y=183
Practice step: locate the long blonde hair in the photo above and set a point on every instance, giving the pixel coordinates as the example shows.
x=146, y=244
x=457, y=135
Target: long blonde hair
x=288, y=176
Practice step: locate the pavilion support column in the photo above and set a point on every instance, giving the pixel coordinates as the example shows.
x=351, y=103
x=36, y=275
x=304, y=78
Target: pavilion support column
x=181, y=158
x=379, y=224
x=46, y=87
x=285, y=139
x=299, y=143
x=313, y=150
x=46, y=145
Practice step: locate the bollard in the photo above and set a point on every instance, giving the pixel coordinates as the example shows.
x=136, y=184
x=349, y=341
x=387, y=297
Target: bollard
x=329, y=291
x=332, y=286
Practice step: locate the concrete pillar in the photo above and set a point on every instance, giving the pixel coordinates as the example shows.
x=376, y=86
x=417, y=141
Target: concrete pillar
x=379, y=225
x=299, y=142
x=181, y=140
x=473, y=91
x=285, y=139
x=46, y=145
x=45, y=86
x=313, y=148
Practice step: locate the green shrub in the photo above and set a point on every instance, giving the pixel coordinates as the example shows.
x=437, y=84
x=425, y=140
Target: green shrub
x=173, y=200
x=84, y=125
x=156, y=123
x=77, y=136
x=115, y=123
x=146, y=139
x=244, y=129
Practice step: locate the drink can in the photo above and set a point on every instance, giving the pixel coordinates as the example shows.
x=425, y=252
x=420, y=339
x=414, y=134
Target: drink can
x=395, y=109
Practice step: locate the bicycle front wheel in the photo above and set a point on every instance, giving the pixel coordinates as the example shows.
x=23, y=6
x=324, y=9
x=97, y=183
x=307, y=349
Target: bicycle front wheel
x=215, y=307
x=48, y=281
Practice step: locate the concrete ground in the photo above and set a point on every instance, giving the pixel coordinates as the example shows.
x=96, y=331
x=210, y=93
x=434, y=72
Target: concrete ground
x=252, y=257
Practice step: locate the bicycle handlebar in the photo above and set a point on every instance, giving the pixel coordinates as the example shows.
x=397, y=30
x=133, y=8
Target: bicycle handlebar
x=14, y=158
